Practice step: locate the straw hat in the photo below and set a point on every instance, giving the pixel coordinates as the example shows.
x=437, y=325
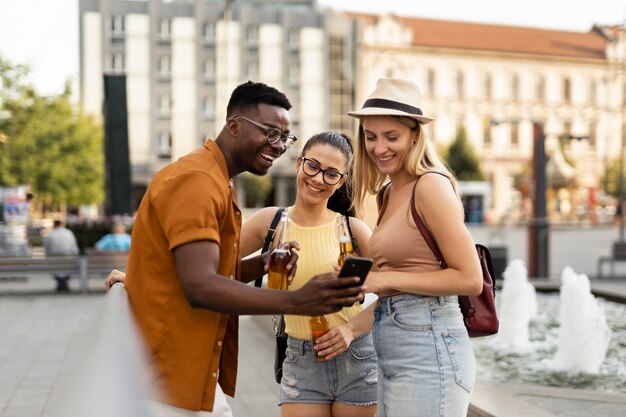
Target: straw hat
x=394, y=97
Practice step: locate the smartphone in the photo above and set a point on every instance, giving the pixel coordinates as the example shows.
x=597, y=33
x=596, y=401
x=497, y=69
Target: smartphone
x=356, y=266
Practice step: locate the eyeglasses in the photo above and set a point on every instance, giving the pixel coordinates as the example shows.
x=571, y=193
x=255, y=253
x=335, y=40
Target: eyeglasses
x=311, y=168
x=272, y=134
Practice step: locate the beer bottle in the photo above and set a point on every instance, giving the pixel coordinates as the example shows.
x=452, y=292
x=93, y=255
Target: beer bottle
x=319, y=327
x=345, y=242
x=277, y=274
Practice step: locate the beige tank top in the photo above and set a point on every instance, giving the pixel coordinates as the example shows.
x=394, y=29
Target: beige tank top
x=397, y=244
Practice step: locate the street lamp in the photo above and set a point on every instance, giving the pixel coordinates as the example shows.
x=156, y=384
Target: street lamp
x=538, y=226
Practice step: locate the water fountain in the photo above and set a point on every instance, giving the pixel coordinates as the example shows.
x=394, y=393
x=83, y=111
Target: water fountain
x=518, y=305
x=584, y=335
x=562, y=346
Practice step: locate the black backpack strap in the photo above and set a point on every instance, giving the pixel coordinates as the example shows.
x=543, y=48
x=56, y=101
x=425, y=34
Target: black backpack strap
x=269, y=237
x=355, y=247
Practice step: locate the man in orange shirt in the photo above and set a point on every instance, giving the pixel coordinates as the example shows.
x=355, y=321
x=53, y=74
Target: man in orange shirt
x=185, y=278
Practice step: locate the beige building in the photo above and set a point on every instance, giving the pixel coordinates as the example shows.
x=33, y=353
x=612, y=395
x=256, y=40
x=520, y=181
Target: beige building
x=496, y=81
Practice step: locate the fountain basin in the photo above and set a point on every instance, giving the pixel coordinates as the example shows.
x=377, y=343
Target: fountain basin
x=533, y=366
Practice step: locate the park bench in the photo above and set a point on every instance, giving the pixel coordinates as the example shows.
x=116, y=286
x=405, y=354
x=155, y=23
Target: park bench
x=91, y=265
x=618, y=254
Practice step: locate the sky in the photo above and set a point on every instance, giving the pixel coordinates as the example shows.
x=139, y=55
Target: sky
x=43, y=34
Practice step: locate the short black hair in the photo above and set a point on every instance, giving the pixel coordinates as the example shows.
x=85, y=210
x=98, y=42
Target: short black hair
x=251, y=94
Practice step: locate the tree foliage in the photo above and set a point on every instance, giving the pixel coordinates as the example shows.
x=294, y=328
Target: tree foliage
x=462, y=159
x=257, y=187
x=610, y=180
x=45, y=142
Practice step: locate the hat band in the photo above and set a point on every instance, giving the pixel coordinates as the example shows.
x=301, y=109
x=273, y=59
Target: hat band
x=390, y=104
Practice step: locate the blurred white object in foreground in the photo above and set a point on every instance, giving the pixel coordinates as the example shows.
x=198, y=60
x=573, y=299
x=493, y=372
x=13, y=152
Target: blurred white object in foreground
x=114, y=371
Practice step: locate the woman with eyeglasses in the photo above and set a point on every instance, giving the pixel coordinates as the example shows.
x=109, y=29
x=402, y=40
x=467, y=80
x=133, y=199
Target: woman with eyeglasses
x=344, y=385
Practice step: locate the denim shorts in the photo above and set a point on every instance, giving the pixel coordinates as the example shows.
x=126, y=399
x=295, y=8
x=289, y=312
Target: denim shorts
x=349, y=378
x=426, y=364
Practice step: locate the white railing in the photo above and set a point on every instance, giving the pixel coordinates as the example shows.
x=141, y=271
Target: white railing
x=113, y=381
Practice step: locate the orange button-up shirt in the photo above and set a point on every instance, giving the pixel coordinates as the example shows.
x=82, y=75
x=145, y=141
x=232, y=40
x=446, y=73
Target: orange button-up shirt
x=189, y=200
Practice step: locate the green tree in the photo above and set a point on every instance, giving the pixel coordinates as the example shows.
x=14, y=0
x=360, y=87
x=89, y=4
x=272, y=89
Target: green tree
x=256, y=187
x=610, y=180
x=48, y=144
x=462, y=159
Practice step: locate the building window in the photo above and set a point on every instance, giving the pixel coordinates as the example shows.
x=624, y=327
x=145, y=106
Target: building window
x=593, y=127
x=340, y=84
x=208, y=106
x=117, y=24
x=541, y=88
x=430, y=82
x=567, y=90
x=165, y=105
x=293, y=37
x=252, y=34
x=293, y=73
x=163, y=66
x=515, y=87
x=164, y=144
x=117, y=62
x=460, y=84
x=488, y=86
x=164, y=29
x=567, y=128
x=253, y=70
x=208, y=68
x=487, y=132
x=514, y=134
x=208, y=31
x=593, y=87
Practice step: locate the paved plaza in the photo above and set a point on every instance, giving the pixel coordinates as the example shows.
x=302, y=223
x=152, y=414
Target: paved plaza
x=41, y=367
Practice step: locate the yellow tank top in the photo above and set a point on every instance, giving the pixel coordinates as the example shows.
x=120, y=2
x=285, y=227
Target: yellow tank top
x=319, y=252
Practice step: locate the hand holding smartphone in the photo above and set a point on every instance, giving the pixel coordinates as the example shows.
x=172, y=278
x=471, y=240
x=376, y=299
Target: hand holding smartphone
x=356, y=266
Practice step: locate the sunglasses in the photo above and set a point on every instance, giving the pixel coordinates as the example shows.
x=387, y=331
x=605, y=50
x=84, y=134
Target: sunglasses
x=272, y=134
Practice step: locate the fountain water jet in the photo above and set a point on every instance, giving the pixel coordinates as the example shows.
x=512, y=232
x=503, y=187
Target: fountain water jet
x=584, y=335
x=518, y=305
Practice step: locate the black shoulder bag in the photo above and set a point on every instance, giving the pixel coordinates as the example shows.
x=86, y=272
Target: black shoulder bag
x=279, y=321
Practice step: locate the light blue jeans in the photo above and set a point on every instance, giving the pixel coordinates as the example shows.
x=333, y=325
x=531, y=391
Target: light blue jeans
x=426, y=364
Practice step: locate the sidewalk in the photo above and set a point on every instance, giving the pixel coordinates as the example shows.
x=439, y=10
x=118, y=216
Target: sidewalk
x=38, y=334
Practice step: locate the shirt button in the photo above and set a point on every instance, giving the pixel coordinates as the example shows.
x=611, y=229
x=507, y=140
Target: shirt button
x=219, y=343
x=231, y=277
x=238, y=213
x=214, y=375
x=235, y=245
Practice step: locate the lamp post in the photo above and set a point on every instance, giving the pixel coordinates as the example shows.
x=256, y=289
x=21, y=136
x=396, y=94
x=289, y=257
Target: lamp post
x=539, y=227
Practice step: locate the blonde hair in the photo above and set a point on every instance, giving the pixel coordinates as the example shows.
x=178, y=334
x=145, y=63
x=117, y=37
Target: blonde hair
x=422, y=159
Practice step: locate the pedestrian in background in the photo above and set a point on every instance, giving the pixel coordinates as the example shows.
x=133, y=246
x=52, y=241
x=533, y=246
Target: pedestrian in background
x=426, y=364
x=61, y=242
x=116, y=241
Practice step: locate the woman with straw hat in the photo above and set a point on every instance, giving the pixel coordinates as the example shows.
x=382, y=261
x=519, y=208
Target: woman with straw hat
x=426, y=364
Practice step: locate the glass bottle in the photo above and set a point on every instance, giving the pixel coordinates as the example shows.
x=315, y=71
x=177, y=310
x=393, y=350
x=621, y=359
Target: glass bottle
x=345, y=242
x=277, y=274
x=319, y=327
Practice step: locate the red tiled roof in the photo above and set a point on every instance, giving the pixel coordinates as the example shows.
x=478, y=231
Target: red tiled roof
x=499, y=38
